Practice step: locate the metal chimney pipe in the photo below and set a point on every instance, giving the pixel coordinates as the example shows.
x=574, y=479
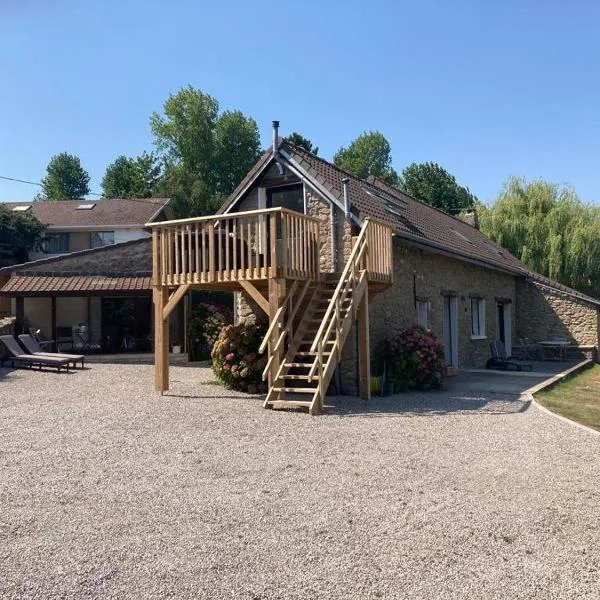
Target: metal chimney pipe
x=345, y=182
x=275, y=136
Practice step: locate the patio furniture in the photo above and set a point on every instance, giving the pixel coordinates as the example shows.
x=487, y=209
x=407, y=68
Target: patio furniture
x=17, y=356
x=501, y=362
x=33, y=347
x=64, y=338
x=528, y=350
x=554, y=349
x=37, y=335
x=82, y=339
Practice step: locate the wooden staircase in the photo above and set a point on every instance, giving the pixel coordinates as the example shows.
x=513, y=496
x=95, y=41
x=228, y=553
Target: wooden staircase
x=315, y=349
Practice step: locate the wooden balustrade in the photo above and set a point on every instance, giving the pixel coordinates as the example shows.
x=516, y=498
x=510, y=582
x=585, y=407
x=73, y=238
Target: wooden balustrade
x=238, y=246
x=378, y=260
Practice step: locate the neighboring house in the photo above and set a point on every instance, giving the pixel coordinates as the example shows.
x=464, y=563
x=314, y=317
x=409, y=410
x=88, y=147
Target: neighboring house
x=92, y=286
x=344, y=263
x=74, y=225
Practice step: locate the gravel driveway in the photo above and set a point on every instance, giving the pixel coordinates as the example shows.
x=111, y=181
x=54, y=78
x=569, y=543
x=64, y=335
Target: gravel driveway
x=108, y=490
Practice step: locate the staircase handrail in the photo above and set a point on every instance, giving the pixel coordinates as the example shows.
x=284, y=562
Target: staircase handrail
x=349, y=269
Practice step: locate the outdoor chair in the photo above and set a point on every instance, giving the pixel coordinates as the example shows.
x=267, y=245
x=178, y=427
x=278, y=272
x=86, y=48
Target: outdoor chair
x=34, y=348
x=501, y=362
x=36, y=334
x=17, y=356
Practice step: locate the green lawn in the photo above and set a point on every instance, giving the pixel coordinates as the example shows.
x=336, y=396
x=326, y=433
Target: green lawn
x=577, y=398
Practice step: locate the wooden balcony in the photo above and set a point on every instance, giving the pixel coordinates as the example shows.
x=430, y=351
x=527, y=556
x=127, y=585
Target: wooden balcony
x=221, y=250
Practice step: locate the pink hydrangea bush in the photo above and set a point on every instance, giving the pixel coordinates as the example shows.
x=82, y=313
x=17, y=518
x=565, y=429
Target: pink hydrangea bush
x=236, y=362
x=414, y=359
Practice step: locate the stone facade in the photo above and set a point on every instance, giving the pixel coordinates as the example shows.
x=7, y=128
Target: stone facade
x=545, y=314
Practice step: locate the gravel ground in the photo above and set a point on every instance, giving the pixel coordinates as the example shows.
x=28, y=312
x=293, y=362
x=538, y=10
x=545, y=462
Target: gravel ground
x=108, y=490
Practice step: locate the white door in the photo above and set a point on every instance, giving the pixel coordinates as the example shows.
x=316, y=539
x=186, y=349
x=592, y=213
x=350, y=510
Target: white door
x=451, y=330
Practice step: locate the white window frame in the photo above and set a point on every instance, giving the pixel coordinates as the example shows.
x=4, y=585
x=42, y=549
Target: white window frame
x=100, y=236
x=478, y=318
x=423, y=313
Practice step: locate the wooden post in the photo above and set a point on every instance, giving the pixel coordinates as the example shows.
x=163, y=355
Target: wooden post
x=53, y=322
x=19, y=315
x=276, y=294
x=161, y=339
x=364, y=355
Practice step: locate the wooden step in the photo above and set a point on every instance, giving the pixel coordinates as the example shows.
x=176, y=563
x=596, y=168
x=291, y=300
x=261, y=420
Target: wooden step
x=302, y=377
x=293, y=390
x=308, y=353
x=294, y=365
x=290, y=404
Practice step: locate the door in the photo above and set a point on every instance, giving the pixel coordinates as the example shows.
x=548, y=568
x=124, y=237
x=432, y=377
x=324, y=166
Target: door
x=451, y=330
x=503, y=327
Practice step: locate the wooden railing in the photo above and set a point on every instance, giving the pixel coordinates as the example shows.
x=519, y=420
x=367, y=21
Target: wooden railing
x=238, y=246
x=379, y=261
x=371, y=257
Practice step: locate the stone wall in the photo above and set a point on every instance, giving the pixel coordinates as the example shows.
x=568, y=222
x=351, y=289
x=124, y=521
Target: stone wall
x=544, y=314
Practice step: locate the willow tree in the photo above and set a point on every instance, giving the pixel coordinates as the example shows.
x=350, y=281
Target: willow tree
x=549, y=229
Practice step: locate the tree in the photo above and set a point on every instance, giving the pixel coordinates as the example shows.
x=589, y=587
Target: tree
x=132, y=177
x=19, y=232
x=65, y=178
x=237, y=148
x=202, y=149
x=299, y=140
x=368, y=155
x=432, y=184
x=549, y=229
x=188, y=193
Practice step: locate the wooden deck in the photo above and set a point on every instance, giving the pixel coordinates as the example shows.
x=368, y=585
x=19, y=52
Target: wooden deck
x=273, y=255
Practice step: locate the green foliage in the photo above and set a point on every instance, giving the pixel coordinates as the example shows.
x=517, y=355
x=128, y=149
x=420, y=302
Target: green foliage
x=368, y=155
x=204, y=326
x=132, y=177
x=189, y=194
x=432, y=184
x=236, y=362
x=547, y=227
x=65, y=178
x=19, y=233
x=414, y=358
x=206, y=153
x=237, y=148
x=302, y=142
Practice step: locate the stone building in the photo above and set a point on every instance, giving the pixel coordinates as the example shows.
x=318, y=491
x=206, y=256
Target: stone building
x=447, y=275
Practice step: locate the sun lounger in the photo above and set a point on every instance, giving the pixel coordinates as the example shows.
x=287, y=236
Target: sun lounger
x=32, y=346
x=17, y=356
x=500, y=361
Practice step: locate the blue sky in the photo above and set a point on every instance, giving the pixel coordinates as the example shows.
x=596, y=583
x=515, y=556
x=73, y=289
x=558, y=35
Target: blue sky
x=487, y=89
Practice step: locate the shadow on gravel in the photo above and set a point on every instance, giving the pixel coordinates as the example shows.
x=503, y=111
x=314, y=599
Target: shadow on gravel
x=427, y=404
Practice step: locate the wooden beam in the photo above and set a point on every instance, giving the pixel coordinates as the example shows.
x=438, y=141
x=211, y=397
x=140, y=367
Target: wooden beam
x=276, y=293
x=161, y=339
x=251, y=290
x=174, y=299
x=364, y=355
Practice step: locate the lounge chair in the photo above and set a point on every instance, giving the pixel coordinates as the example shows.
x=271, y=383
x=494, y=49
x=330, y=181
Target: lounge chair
x=17, y=356
x=500, y=361
x=32, y=346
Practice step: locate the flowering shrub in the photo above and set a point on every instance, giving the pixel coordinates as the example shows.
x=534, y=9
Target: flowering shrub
x=236, y=361
x=204, y=327
x=415, y=359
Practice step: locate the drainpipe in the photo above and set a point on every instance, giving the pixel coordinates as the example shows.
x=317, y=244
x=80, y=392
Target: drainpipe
x=345, y=182
x=275, y=137
x=334, y=252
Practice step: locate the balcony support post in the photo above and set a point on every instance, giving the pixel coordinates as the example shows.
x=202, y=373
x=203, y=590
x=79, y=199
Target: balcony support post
x=161, y=339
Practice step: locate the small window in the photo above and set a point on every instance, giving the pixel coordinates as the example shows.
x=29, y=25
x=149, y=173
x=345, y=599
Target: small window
x=55, y=243
x=21, y=208
x=86, y=206
x=477, y=318
x=102, y=238
x=461, y=236
x=423, y=313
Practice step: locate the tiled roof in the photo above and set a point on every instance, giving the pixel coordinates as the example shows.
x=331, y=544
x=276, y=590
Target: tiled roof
x=107, y=212
x=411, y=219
x=125, y=267
x=36, y=284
